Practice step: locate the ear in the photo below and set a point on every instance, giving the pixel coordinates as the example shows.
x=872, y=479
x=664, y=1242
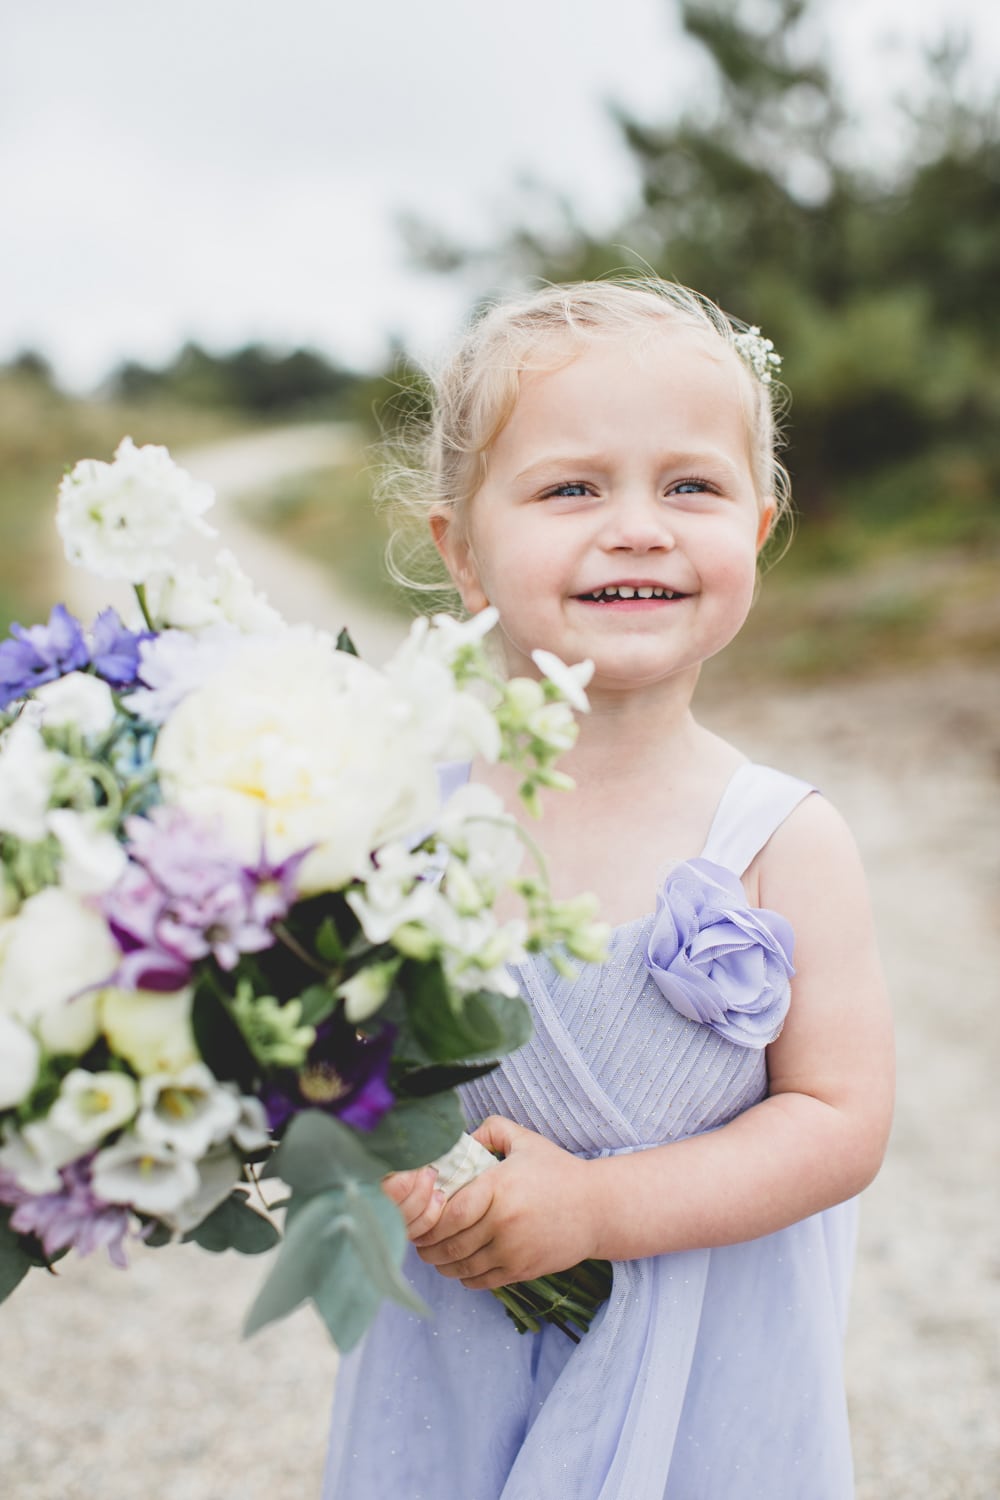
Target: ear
x=456, y=552
x=767, y=514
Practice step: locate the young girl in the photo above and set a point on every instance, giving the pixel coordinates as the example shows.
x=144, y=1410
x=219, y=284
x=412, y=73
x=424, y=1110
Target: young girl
x=604, y=458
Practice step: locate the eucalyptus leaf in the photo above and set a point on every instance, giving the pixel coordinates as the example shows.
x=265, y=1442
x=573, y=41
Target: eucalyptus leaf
x=301, y=1263
x=15, y=1263
x=416, y=1131
x=318, y=1153
x=234, y=1225
x=363, y=1267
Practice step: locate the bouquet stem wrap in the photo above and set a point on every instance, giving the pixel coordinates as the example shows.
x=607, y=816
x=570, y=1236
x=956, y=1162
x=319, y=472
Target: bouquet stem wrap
x=569, y=1299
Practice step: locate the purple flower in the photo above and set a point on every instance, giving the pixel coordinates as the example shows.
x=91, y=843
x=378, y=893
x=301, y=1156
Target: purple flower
x=114, y=649
x=718, y=960
x=181, y=900
x=345, y=1074
x=70, y=1218
x=40, y=653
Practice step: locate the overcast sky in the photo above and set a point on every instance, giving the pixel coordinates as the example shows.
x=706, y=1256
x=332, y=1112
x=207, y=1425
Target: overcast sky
x=232, y=169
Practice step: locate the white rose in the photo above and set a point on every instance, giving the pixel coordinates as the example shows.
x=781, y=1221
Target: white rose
x=92, y=859
x=124, y=519
x=52, y=954
x=26, y=771
x=152, y=1032
x=19, y=1057
x=294, y=744
x=80, y=699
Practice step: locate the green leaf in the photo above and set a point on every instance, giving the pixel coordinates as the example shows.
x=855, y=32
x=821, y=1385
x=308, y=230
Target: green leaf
x=328, y=943
x=234, y=1225
x=344, y=642
x=317, y=1002
x=15, y=1262
x=318, y=1153
x=484, y=1024
x=221, y=1043
x=439, y=1077
x=416, y=1131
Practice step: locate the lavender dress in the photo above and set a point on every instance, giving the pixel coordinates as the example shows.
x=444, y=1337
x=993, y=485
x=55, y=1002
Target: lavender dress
x=709, y=1374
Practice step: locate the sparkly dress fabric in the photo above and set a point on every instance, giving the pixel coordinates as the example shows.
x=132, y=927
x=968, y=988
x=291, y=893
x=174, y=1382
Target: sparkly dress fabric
x=709, y=1374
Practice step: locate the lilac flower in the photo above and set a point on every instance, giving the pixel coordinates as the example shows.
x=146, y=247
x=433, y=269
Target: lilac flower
x=181, y=900
x=40, y=653
x=114, y=650
x=72, y=1217
x=345, y=1074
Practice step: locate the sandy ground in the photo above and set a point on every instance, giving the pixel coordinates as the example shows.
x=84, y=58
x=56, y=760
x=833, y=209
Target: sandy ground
x=137, y=1385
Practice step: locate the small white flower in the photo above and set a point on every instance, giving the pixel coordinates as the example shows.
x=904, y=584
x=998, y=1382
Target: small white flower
x=78, y=699
x=448, y=636
x=146, y=1175
x=33, y=1156
x=175, y=664
x=53, y=956
x=123, y=519
x=218, y=1174
x=91, y=1105
x=477, y=828
x=570, y=681
x=151, y=1031
x=395, y=894
x=26, y=771
x=19, y=1057
x=92, y=858
x=189, y=1112
x=367, y=990
x=251, y=1131
x=188, y=599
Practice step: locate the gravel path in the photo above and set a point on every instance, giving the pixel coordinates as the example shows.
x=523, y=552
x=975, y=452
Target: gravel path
x=135, y=1386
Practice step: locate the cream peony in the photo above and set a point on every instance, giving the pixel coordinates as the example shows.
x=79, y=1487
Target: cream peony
x=292, y=743
x=53, y=954
x=124, y=519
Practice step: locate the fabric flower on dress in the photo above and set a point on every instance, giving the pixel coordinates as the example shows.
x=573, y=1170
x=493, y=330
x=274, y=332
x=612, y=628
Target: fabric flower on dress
x=718, y=960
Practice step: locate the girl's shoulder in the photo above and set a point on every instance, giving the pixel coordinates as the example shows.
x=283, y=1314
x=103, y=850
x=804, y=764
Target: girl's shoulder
x=810, y=861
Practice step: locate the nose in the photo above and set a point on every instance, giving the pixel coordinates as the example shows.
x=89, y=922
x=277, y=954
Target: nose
x=638, y=522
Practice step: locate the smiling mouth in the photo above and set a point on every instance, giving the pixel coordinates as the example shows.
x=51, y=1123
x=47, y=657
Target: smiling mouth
x=613, y=592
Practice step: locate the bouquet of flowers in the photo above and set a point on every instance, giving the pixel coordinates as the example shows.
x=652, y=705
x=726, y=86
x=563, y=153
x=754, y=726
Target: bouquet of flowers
x=237, y=915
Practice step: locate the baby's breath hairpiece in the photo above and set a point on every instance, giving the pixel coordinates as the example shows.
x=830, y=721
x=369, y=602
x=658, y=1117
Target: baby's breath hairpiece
x=758, y=352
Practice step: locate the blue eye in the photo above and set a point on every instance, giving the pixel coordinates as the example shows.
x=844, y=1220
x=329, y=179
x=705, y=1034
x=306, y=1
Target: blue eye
x=573, y=489
x=689, y=487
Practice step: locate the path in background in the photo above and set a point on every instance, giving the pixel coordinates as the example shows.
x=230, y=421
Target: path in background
x=131, y=1386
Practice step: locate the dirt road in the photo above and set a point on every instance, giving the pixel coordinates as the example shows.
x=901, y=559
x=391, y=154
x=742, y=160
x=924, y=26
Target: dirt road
x=136, y=1385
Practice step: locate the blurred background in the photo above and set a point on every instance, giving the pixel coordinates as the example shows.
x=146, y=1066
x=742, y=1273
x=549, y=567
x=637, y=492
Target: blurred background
x=246, y=230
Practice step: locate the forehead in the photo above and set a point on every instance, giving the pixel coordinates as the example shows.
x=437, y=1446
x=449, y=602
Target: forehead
x=672, y=382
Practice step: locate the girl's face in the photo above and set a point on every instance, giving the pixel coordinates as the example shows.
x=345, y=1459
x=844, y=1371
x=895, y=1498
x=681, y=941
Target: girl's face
x=618, y=520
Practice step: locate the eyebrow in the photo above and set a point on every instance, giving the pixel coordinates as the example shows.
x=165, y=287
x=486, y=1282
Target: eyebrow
x=580, y=461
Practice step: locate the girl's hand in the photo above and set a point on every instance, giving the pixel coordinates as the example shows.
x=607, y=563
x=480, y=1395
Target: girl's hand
x=530, y=1215
x=417, y=1197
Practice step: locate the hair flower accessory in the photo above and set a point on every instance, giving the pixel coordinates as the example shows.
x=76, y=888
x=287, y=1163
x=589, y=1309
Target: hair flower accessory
x=757, y=352
x=718, y=960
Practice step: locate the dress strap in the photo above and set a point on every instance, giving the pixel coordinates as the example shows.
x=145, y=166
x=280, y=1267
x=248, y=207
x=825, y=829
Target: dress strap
x=754, y=805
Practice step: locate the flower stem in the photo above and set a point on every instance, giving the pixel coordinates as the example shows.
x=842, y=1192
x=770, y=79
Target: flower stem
x=140, y=593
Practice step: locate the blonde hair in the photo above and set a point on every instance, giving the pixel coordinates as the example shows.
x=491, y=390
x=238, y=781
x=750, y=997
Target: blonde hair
x=444, y=460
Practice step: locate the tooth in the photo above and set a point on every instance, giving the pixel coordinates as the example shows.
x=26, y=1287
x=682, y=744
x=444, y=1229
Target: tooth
x=645, y=593
x=626, y=593
x=610, y=593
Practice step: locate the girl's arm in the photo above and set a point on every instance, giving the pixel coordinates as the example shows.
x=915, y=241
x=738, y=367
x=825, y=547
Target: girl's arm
x=817, y=1138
